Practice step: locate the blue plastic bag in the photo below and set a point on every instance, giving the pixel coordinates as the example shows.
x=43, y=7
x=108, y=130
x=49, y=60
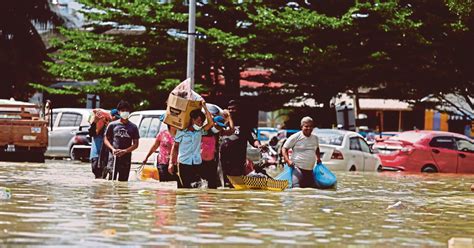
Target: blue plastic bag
x=287, y=174
x=323, y=177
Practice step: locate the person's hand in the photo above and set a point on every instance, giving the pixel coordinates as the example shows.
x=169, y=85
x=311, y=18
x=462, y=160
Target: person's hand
x=171, y=169
x=145, y=160
x=226, y=114
x=120, y=153
x=319, y=161
x=291, y=163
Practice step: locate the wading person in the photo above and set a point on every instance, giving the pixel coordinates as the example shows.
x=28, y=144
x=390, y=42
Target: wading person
x=233, y=149
x=305, y=147
x=121, y=138
x=186, y=151
x=99, y=119
x=209, y=147
x=163, y=142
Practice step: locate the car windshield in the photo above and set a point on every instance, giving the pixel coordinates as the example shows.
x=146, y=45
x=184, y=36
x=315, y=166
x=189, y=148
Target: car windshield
x=330, y=137
x=411, y=137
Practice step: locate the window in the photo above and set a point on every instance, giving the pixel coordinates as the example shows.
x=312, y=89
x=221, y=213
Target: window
x=135, y=119
x=144, y=126
x=443, y=142
x=330, y=138
x=464, y=145
x=354, y=144
x=54, y=119
x=154, y=128
x=70, y=120
x=364, y=146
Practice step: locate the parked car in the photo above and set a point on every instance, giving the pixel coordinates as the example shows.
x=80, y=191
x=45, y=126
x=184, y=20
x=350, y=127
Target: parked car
x=373, y=138
x=64, y=125
x=149, y=125
x=427, y=151
x=346, y=151
x=81, y=148
x=23, y=131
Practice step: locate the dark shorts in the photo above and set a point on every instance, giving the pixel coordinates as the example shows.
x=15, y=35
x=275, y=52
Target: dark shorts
x=122, y=168
x=303, y=178
x=190, y=176
x=165, y=176
x=209, y=173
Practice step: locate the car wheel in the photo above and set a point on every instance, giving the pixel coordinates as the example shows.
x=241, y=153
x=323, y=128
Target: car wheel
x=429, y=169
x=353, y=168
x=379, y=168
x=72, y=154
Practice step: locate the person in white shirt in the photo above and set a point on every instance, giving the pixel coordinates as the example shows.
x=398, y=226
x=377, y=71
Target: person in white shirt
x=305, y=146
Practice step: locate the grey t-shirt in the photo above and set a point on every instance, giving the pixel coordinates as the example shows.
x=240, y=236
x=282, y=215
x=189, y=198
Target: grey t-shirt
x=121, y=135
x=304, y=149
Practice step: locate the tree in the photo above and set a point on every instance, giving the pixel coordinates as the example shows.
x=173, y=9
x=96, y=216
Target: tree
x=21, y=49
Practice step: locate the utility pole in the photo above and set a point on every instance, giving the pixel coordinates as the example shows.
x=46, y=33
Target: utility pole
x=191, y=41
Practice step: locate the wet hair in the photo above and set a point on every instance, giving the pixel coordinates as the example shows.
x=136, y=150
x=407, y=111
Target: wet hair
x=307, y=119
x=197, y=113
x=123, y=105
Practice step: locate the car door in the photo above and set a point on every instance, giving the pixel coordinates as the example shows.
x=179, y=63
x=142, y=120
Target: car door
x=444, y=152
x=69, y=123
x=149, y=128
x=370, y=161
x=465, y=156
x=355, y=154
x=52, y=125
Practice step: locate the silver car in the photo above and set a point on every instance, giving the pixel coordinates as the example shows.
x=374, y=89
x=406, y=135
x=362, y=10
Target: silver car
x=66, y=123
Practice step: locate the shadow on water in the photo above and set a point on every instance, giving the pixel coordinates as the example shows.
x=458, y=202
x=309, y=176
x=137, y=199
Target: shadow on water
x=58, y=203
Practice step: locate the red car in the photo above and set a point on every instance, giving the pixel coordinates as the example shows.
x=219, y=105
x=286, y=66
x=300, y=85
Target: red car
x=427, y=151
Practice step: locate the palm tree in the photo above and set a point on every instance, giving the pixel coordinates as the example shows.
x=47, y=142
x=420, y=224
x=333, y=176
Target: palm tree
x=21, y=47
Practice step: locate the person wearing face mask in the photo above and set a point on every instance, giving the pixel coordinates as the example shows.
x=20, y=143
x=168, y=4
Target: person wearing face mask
x=306, y=152
x=121, y=137
x=186, y=151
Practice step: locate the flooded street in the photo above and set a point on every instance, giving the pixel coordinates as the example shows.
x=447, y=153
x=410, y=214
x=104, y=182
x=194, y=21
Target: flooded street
x=58, y=203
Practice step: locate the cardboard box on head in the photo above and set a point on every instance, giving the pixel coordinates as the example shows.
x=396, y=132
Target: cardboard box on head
x=181, y=101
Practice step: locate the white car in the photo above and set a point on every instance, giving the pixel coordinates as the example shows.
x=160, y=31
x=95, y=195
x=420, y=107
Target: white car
x=149, y=125
x=346, y=151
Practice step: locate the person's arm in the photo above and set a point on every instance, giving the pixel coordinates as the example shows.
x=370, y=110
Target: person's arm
x=318, y=155
x=286, y=157
x=231, y=129
x=173, y=157
x=109, y=135
x=152, y=149
x=210, y=121
x=289, y=143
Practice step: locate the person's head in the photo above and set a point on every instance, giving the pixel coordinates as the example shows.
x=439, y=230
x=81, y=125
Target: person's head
x=115, y=114
x=124, y=109
x=197, y=119
x=307, y=125
x=233, y=106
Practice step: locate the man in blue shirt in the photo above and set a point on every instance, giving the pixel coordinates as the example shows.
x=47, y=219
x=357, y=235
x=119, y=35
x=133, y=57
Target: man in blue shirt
x=186, y=151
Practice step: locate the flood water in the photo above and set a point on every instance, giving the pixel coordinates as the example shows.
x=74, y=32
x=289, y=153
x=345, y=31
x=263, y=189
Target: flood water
x=58, y=203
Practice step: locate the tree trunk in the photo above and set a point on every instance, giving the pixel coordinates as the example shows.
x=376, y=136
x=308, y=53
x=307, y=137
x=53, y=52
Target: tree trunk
x=232, y=80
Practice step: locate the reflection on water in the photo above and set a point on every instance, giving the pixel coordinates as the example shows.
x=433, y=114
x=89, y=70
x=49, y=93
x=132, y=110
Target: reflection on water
x=59, y=203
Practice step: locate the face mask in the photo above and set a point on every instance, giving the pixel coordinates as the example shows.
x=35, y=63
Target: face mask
x=196, y=127
x=124, y=115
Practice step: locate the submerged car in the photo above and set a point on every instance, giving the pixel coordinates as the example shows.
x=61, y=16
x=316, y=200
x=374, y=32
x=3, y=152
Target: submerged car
x=427, y=151
x=346, y=151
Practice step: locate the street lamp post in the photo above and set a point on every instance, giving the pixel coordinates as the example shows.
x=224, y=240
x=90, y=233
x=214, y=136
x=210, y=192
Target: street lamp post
x=191, y=41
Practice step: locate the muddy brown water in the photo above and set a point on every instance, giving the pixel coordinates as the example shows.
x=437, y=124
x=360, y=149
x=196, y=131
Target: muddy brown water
x=58, y=203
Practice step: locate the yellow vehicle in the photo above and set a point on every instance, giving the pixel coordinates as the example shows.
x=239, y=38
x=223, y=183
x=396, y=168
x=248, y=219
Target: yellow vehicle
x=23, y=131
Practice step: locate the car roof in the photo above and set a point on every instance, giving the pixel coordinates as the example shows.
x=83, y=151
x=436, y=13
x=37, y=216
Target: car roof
x=77, y=110
x=150, y=112
x=435, y=132
x=336, y=131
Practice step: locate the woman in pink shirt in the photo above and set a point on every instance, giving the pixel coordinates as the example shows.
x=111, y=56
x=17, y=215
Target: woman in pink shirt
x=164, y=141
